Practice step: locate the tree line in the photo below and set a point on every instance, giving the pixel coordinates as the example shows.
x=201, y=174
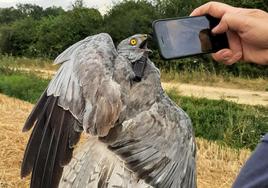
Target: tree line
x=30, y=30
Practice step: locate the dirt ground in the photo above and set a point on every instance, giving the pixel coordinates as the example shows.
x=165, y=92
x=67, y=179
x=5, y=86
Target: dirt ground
x=240, y=96
x=216, y=166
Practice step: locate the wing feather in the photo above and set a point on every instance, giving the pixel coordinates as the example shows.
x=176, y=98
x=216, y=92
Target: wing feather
x=164, y=153
x=154, y=139
x=37, y=110
x=67, y=106
x=36, y=136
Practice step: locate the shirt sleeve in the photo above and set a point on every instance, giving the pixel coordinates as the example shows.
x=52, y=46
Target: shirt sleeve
x=254, y=174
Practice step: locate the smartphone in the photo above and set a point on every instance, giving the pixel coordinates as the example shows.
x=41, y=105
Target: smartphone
x=188, y=36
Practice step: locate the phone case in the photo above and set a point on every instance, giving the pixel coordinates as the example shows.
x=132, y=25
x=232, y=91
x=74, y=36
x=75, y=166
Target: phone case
x=157, y=38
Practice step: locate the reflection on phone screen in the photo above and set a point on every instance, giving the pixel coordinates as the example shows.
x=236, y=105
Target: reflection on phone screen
x=189, y=36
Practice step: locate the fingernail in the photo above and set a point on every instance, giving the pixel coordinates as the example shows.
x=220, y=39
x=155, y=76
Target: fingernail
x=192, y=13
x=214, y=30
x=226, y=55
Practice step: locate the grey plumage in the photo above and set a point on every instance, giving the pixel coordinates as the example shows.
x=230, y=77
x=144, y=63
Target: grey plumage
x=142, y=138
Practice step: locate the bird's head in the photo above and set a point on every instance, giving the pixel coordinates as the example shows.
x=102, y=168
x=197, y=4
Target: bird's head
x=134, y=47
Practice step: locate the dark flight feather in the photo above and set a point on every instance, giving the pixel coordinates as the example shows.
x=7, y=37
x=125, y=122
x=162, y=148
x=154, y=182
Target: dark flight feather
x=51, y=143
x=36, y=136
x=38, y=109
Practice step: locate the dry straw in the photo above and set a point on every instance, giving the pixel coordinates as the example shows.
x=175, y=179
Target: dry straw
x=217, y=166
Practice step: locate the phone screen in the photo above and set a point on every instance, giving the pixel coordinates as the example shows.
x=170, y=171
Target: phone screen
x=182, y=37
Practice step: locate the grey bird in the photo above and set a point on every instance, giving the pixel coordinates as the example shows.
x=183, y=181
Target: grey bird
x=138, y=136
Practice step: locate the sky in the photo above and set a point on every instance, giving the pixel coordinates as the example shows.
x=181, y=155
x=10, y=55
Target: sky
x=102, y=5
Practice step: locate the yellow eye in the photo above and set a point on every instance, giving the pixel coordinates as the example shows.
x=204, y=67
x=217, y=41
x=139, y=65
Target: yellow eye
x=133, y=42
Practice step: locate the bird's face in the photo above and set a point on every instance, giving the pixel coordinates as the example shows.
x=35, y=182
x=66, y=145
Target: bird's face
x=134, y=47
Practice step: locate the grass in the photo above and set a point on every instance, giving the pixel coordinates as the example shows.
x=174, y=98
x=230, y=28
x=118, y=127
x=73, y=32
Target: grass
x=23, y=62
x=200, y=75
x=23, y=86
x=238, y=126
x=234, y=125
x=217, y=166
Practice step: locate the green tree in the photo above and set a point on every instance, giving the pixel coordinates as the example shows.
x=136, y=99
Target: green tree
x=57, y=33
x=8, y=15
x=260, y=4
x=78, y=4
x=130, y=17
x=53, y=11
x=18, y=38
x=176, y=8
x=30, y=10
x=5, y=35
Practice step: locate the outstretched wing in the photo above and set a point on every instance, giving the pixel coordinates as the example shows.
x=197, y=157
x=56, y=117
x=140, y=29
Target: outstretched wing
x=82, y=95
x=158, y=145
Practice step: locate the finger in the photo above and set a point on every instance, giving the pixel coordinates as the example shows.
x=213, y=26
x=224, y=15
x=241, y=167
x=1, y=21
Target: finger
x=230, y=21
x=235, y=46
x=232, y=55
x=214, y=9
x=222, y=27
x=223, y=55
x=235, y=58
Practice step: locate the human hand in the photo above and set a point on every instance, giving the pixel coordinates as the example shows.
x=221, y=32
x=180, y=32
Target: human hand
x=247, y=32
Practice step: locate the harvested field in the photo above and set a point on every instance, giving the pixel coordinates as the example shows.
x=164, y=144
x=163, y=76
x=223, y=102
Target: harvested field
x=12, y=140
x=217, y=166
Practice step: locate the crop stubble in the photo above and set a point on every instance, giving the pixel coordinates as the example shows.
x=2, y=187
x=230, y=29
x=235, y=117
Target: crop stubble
x=217, y=166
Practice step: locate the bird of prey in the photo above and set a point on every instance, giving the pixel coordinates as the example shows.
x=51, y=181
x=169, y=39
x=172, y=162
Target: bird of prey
x=138, y=136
